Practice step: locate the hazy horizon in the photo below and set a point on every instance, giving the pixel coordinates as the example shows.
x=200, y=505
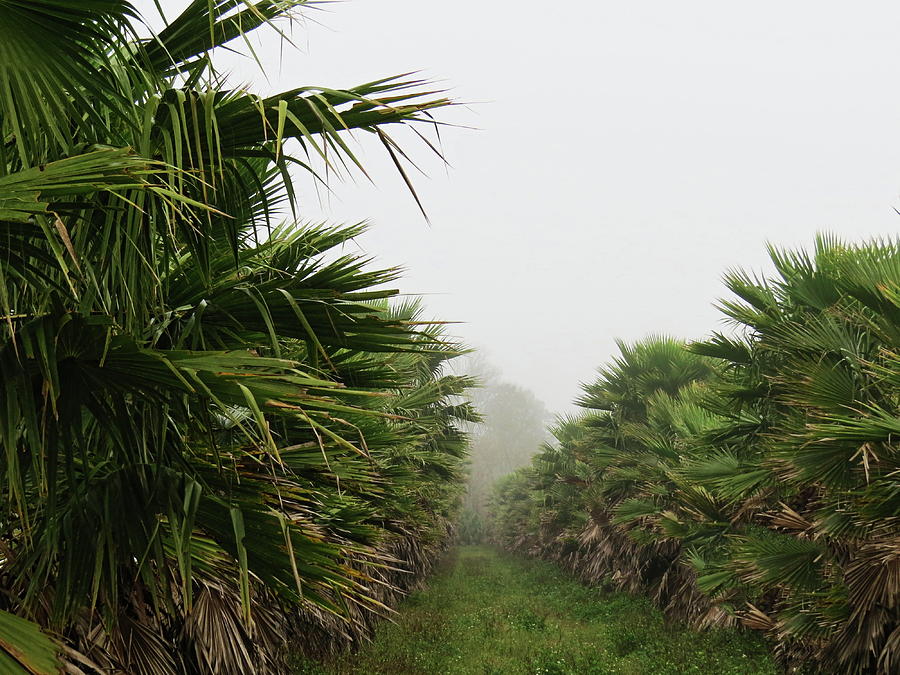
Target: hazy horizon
x=626, y=155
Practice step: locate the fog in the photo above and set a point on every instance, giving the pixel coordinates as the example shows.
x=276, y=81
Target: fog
x=513, y=427
x=623, y=156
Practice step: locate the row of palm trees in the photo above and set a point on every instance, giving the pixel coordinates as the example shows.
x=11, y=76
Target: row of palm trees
x=220, y=438
x=752, y=478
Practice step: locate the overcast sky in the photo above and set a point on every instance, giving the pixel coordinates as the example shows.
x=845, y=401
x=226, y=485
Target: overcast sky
x=626, y=155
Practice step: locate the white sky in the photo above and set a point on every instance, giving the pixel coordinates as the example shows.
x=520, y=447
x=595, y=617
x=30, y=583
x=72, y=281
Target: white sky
x=627, y=155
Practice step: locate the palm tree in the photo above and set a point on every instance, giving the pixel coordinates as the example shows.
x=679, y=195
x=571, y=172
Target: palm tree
x=808, y=453
x=613, y=506
x=203, y=411
x=752, y=479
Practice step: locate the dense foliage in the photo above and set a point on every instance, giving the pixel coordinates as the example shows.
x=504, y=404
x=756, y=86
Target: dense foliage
x=749, y=478
x=217, y=436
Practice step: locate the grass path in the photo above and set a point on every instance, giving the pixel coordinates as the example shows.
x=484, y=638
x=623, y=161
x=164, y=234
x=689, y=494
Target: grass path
x=486, y=612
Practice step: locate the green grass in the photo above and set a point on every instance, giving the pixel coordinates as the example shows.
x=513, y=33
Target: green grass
x=489, y=613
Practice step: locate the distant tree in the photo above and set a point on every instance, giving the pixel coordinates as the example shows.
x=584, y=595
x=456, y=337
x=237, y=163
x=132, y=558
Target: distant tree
x=514, y=425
